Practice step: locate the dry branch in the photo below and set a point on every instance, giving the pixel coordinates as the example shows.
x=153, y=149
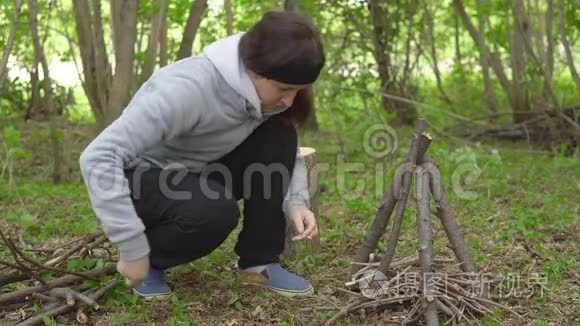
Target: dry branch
x=67, y=280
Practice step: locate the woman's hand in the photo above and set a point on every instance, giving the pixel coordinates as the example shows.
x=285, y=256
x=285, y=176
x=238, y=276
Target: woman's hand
x=134, y=271
x=304, y=223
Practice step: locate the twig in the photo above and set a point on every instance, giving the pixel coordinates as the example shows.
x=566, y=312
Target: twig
x=41, y=297
x=66, y=308
x=71, y=251
x=344, y=310
x=15, y=296
x=358, y=295
x=17, y=251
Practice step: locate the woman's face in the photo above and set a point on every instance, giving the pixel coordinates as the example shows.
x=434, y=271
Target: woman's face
x=275, y=95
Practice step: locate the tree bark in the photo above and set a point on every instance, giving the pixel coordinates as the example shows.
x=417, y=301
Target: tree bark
x=458, y=60
x=48, y=96
x=124, y=54
x=34, y=92
x=153, y=42
x=566, y=45
x=163, y=49
x=549, y=40
x=83, y=19
x=539, y=33
x=520, y=96
x=424, y=231
x=405, y=114
x=196, y=13
x=229, y=17
x=523, y=28
x=487, y=84
x=102, y=77
x=9, y=42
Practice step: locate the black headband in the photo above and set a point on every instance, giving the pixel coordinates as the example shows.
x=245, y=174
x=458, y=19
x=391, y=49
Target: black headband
x=295, y=74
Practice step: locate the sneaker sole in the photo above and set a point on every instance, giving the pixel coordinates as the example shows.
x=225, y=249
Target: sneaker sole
x=285, y=293
x=161, y=296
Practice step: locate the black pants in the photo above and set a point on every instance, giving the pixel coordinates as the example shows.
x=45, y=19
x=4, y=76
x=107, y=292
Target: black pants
x=188, y=215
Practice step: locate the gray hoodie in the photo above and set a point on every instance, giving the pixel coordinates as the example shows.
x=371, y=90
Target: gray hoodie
x=188, y=113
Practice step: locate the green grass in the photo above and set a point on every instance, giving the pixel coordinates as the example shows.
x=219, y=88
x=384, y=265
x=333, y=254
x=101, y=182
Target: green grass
x=506, y=200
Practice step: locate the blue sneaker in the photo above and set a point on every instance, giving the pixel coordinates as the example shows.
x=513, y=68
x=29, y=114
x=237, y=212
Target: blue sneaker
x=154, y=286
x=279, y=280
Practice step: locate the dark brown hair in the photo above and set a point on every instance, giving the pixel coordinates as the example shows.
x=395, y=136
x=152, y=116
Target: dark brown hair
x=286, y=47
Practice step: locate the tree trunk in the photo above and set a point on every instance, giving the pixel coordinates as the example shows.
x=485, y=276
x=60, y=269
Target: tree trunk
x=566, y=45
x=163, y=50
x=196, y=12
x=487, y=84
x=125, y=12
x=48, y=96
x=523, y=28
x=34, y=92
x=409, y=37
x=84, y=28
x=493, y=59
x=539, y=33
x=10, y=42
x=519, y=93
x=229, y=17
x=405, y=114
x=457, y=44
x=102, y=77
x=138, y=66
x=153, y=42
x=107, y=93
x=549, y=41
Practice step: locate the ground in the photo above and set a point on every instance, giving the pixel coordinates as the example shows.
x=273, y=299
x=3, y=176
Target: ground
x=518, y=209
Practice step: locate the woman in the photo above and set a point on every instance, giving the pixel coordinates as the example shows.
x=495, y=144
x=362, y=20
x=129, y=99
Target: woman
x=202, y=133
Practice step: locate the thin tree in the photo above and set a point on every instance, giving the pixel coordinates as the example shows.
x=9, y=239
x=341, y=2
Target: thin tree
x=10, y=41
x=229, y=17
x=153, y=42
x=48, y=96
x=384, y=37
x=491, y=57
x=566, y=45
x=108, y=91
x=196, y=13
x=483, y=61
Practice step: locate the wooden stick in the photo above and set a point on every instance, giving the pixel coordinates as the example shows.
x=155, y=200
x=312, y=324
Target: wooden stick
x=38, y=319
x=420, y=142
x=344, y=310
x=16, y=296
x=385, y=209
x=90, y=238
x=17, y=252
x=425, y=243
x=456, y=239
x=377, y=228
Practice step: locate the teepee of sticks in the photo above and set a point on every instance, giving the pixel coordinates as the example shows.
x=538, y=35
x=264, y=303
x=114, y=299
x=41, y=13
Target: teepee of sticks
x=459, y=295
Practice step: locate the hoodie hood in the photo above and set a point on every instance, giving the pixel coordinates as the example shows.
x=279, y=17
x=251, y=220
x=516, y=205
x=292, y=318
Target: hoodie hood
x=224, y=55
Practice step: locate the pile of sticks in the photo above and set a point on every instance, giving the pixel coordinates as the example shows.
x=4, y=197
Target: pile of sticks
x=65, y=292
x=460, y=294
